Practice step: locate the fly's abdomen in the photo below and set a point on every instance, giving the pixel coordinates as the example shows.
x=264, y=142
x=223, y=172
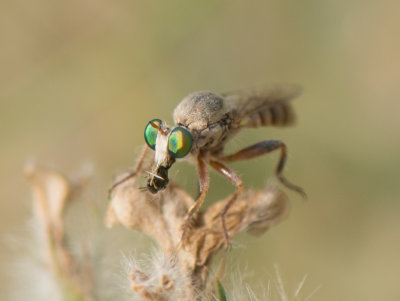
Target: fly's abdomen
x=280, y=114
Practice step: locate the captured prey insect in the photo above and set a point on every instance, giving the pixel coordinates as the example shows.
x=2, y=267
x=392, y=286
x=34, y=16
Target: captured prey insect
x=204, y=122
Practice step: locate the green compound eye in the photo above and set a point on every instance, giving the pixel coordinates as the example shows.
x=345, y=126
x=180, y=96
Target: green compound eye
x=179, y=142
x=150, y=133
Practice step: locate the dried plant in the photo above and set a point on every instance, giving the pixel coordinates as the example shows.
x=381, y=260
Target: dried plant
x=52, y=194
x=182, y=273
x=172, y=271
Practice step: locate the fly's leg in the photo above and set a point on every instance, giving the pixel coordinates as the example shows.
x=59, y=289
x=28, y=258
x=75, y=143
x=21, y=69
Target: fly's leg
x=237, y=181
x=262, y=148
x=135, y=171
x=204, y=181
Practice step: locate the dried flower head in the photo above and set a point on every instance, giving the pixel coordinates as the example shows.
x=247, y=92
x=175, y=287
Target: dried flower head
x=162, y=217
x=172, y=271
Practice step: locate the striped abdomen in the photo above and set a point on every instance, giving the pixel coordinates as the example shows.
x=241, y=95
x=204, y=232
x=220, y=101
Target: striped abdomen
x=280, y=114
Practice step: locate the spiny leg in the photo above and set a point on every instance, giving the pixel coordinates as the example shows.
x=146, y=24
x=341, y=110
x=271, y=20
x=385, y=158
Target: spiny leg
x=204, y=181
x=133, y=173
x=237, y=181
x=262, y=148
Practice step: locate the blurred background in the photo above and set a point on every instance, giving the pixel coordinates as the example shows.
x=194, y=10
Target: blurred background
x=80, y=79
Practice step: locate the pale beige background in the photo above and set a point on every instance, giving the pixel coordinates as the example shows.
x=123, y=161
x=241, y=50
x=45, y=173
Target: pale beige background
x=80, y=79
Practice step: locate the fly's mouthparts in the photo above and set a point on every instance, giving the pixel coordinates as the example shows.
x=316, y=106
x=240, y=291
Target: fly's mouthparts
x=158, y=180
x=154, y=175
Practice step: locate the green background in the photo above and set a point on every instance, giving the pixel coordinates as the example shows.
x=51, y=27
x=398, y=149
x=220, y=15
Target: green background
x=80, y=79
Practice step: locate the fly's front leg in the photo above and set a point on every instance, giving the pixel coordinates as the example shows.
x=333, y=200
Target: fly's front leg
x=133, y=173
x=237, y=181
x=262, y=148
x=204, y=181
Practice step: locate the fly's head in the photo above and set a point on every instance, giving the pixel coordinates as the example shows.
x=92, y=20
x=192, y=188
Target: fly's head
x=168, y=144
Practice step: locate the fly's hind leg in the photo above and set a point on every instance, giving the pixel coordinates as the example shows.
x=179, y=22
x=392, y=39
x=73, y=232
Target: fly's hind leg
x=237, y=181
x=262, y=148
x=133, y=173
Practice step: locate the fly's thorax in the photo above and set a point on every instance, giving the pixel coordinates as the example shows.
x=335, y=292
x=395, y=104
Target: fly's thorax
x=208, y=117
x=215, y=135
x=197, y=110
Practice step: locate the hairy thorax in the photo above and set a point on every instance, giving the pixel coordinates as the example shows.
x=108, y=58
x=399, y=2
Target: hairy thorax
x=208, y=118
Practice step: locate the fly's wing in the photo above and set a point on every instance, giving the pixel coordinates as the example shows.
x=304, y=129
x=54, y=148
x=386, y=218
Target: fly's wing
x=264, y=106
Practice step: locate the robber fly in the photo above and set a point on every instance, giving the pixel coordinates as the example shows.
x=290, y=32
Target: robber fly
x=204, y=122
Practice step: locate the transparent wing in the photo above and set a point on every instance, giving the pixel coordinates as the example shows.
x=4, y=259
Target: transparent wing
x=263, y=106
